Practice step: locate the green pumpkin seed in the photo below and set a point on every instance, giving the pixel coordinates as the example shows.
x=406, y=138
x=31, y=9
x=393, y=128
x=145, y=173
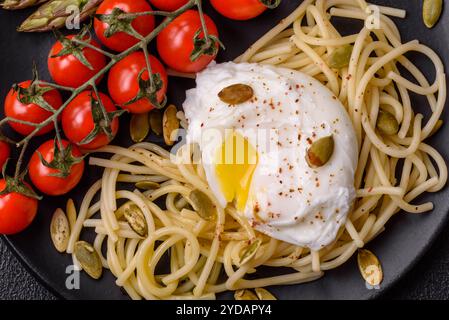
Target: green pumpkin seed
x=250, y=251
x=431, y=12
x=244, y=295
x=71, y=213
x=60, y=230
x=136, y=220
x=170, y=124
x=369, y=267
x=147, y=185
x=236, y=94
x=340, y=57
x=139, y=127
x=320, y=152
x=203, y=205
x=88, y=258
x=387, y=123
x=156, y=121
x=264, y=294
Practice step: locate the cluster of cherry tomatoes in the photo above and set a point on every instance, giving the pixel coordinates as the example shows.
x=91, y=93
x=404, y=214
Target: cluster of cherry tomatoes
x=81, y=123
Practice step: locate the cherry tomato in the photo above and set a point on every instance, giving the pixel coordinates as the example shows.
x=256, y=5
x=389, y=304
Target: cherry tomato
x=168, y=5
x=121, y=40
x=69, y=71
x=123, y=82
x=5, y=151
x=30, y=112
x=17, y=211
x=239, y=9
x=78, y=123
x=44, y=177
x=175, y=42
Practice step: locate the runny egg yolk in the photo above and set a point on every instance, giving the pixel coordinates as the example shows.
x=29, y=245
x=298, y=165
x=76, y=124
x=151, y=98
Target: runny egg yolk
x=235, y=163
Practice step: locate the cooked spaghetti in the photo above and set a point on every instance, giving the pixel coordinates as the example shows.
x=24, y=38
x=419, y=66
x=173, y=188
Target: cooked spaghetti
x=205, y=256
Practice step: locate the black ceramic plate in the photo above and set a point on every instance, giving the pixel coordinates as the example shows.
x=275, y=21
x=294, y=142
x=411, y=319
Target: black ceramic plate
x=406, y=238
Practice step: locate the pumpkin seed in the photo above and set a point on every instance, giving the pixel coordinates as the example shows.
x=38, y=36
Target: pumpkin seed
x=387, y=123
x=250, y=251
x=136, y=220
x=88, y=258
x=139, y=127
x=156, y=121
x=170, y=124
x=320, y=152
x=340, y=57
x=437, y=127
x=60, y=230
x=236, y=94
x=203, y=205
x=120, y=212
x=264, y=294
x=244, y=295
x=71, y=213
x=431, y=12
x=147, y=185
x=369, y=267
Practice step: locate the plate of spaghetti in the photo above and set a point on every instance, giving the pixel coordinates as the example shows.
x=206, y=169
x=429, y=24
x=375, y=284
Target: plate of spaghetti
x=306, y=160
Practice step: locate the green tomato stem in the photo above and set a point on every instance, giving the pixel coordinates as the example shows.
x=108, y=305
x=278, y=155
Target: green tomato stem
x=142, y=45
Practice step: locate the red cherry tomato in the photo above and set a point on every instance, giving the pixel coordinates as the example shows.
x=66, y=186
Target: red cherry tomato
x=239, y=9
x=30, y=112
x=123, y=82
x=17, y=211
x=175, y=42
x=168, y=5
x=121, y=40
x=43, y=177
x=68, y=71
x=78, y=123
x=5, y=151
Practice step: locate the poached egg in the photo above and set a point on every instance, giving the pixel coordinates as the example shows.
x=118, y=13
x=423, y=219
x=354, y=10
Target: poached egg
x=254, y=153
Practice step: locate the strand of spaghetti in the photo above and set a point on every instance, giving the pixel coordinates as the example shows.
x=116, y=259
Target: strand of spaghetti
x=393, y=54
x=232, y=283
x=293, y=278
x=354, y=235
x=343, y=257
x=75, y=233
x=142, y=206
x=397, y=200
x=272, y=52
x=316, y=267
x=107, y=198
x=352, y=75
x=273, y=32
x=441, y=164
x=319, y=63
x=392, y=151
x=119, y=165
x=386, y=25
x=98, y=243
x=146, y=252
x=242, y=221
x=418, y=75
x=367, y=192
x=315, y=41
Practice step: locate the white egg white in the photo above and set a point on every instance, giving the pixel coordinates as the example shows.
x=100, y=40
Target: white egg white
x=288, y=200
